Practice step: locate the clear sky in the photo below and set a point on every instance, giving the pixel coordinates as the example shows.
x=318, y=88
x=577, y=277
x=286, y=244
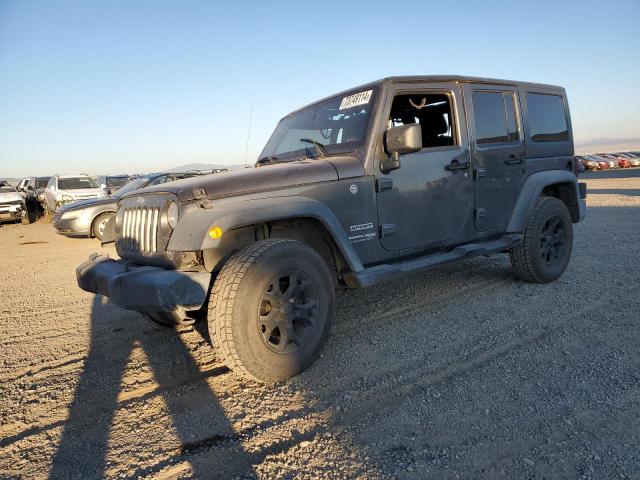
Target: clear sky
x=131, y=86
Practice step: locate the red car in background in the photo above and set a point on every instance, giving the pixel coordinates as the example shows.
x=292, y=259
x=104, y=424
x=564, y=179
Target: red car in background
x=623, y=162
x=634, y=160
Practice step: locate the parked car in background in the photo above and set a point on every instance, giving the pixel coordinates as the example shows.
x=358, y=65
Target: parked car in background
x=589, y=162
x=111, y=183
x=64, y=189
x=611, y=161
x=22, y=185
x=35, y=188
x=12, y=204
x=634, y=160
x=624, y=162
x=88, y=218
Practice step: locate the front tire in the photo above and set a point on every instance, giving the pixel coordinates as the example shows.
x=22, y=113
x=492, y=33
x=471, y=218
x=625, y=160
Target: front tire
x=97, y=228
x=545, y=251
x=271, y=309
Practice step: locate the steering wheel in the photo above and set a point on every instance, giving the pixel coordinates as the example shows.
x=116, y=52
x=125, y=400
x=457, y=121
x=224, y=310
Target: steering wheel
x=325, y=135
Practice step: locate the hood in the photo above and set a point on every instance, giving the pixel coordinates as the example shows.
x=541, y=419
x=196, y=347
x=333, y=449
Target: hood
x=89, y=203
x=249, y=180
x=10, y=196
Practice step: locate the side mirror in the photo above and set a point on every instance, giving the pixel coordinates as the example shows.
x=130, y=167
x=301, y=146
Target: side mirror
x=30, y=187
x=400, y=141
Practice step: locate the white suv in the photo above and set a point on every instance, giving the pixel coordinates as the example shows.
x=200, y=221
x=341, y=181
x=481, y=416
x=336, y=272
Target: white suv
x=63, y=189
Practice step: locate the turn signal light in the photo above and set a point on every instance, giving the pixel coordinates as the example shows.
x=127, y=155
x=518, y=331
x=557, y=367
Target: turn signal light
x=215, y=232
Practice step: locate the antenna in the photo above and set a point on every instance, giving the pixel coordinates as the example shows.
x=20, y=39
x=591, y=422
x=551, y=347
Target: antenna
x=246, y=148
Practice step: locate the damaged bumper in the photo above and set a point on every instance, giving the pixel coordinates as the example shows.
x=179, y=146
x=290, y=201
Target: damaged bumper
x=158, y=292
x=12, y=212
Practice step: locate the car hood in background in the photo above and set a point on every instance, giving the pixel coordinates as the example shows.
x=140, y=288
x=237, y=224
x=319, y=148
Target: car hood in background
x=250, y=180
x=90, y=202
x=10, y=196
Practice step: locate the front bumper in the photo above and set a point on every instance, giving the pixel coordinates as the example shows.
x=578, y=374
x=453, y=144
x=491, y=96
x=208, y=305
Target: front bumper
x=75, y=227
x=12, y=212
x=152, y=290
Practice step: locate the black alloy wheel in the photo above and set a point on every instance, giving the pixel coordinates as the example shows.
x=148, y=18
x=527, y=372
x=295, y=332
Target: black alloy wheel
x=288, y=311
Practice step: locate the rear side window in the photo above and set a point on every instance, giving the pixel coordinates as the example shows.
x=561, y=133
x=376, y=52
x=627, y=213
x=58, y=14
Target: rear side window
x=547, y=118
x=494, y=116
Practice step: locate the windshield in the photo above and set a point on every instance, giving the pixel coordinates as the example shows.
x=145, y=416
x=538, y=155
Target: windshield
x=76, y=183
x=6, y=188
x=42, y=182
x=334, y=126
x=131, y=186
x=117, y=181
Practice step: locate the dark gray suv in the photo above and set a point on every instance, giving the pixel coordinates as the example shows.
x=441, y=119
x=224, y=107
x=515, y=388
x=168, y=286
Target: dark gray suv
x=395, y=176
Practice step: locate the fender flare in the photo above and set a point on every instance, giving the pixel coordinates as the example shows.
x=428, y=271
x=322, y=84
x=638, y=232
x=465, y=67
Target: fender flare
x=530, y=192
x=191, y=233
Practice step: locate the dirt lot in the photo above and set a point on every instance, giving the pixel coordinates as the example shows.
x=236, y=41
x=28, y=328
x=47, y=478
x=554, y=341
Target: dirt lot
x=461, y=372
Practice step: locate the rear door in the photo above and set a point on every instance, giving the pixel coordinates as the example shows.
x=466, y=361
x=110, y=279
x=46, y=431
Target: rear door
x=497, y=153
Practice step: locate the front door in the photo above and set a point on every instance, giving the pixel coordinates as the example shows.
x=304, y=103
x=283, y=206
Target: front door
x=497, y=153
x=427, y=201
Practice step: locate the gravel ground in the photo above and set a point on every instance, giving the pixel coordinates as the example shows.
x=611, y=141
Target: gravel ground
x=460, y=372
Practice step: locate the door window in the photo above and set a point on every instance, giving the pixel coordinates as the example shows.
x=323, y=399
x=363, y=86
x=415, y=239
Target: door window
x=432, y=111
x=495, y=119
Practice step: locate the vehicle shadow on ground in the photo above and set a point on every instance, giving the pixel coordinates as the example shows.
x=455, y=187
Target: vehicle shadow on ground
x=83, y=448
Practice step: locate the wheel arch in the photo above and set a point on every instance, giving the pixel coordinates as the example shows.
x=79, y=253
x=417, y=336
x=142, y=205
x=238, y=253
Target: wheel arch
x=561, y=184
x=244, y=222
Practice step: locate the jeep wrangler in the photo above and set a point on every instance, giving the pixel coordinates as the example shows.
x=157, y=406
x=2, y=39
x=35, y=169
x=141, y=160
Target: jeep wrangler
x=395, y=176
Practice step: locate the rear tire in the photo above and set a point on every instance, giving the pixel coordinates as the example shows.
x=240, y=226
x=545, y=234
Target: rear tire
x=545, y=251
x=271, y=309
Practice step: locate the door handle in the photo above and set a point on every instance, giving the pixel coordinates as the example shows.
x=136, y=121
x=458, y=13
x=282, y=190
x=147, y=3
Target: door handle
x=454, y=165
x=513, y=160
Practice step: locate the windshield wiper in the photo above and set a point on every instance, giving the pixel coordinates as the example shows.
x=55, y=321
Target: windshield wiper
x=319, y=146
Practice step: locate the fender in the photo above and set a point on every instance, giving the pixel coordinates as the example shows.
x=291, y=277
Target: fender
x=191, y=232
x=531, y=190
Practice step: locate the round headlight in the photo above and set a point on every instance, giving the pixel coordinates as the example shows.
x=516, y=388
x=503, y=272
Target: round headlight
x=173, y=212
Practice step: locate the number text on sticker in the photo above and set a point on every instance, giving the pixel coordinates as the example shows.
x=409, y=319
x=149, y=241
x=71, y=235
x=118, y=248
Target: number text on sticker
x=361, y=98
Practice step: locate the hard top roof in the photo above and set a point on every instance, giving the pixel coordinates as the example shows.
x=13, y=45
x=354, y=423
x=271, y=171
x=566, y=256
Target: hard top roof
x=436, y=79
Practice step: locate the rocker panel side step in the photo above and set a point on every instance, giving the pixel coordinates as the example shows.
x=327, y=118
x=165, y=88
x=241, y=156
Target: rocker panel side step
x=372, y=275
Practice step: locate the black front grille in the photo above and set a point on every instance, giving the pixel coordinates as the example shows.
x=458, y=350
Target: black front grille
x=139, y=230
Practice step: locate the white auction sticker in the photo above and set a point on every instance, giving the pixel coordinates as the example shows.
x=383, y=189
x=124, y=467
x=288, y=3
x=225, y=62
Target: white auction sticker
x=361, y=98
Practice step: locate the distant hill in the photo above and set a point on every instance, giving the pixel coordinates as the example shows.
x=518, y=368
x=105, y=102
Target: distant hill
x=598, y=145
x=202, y=166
